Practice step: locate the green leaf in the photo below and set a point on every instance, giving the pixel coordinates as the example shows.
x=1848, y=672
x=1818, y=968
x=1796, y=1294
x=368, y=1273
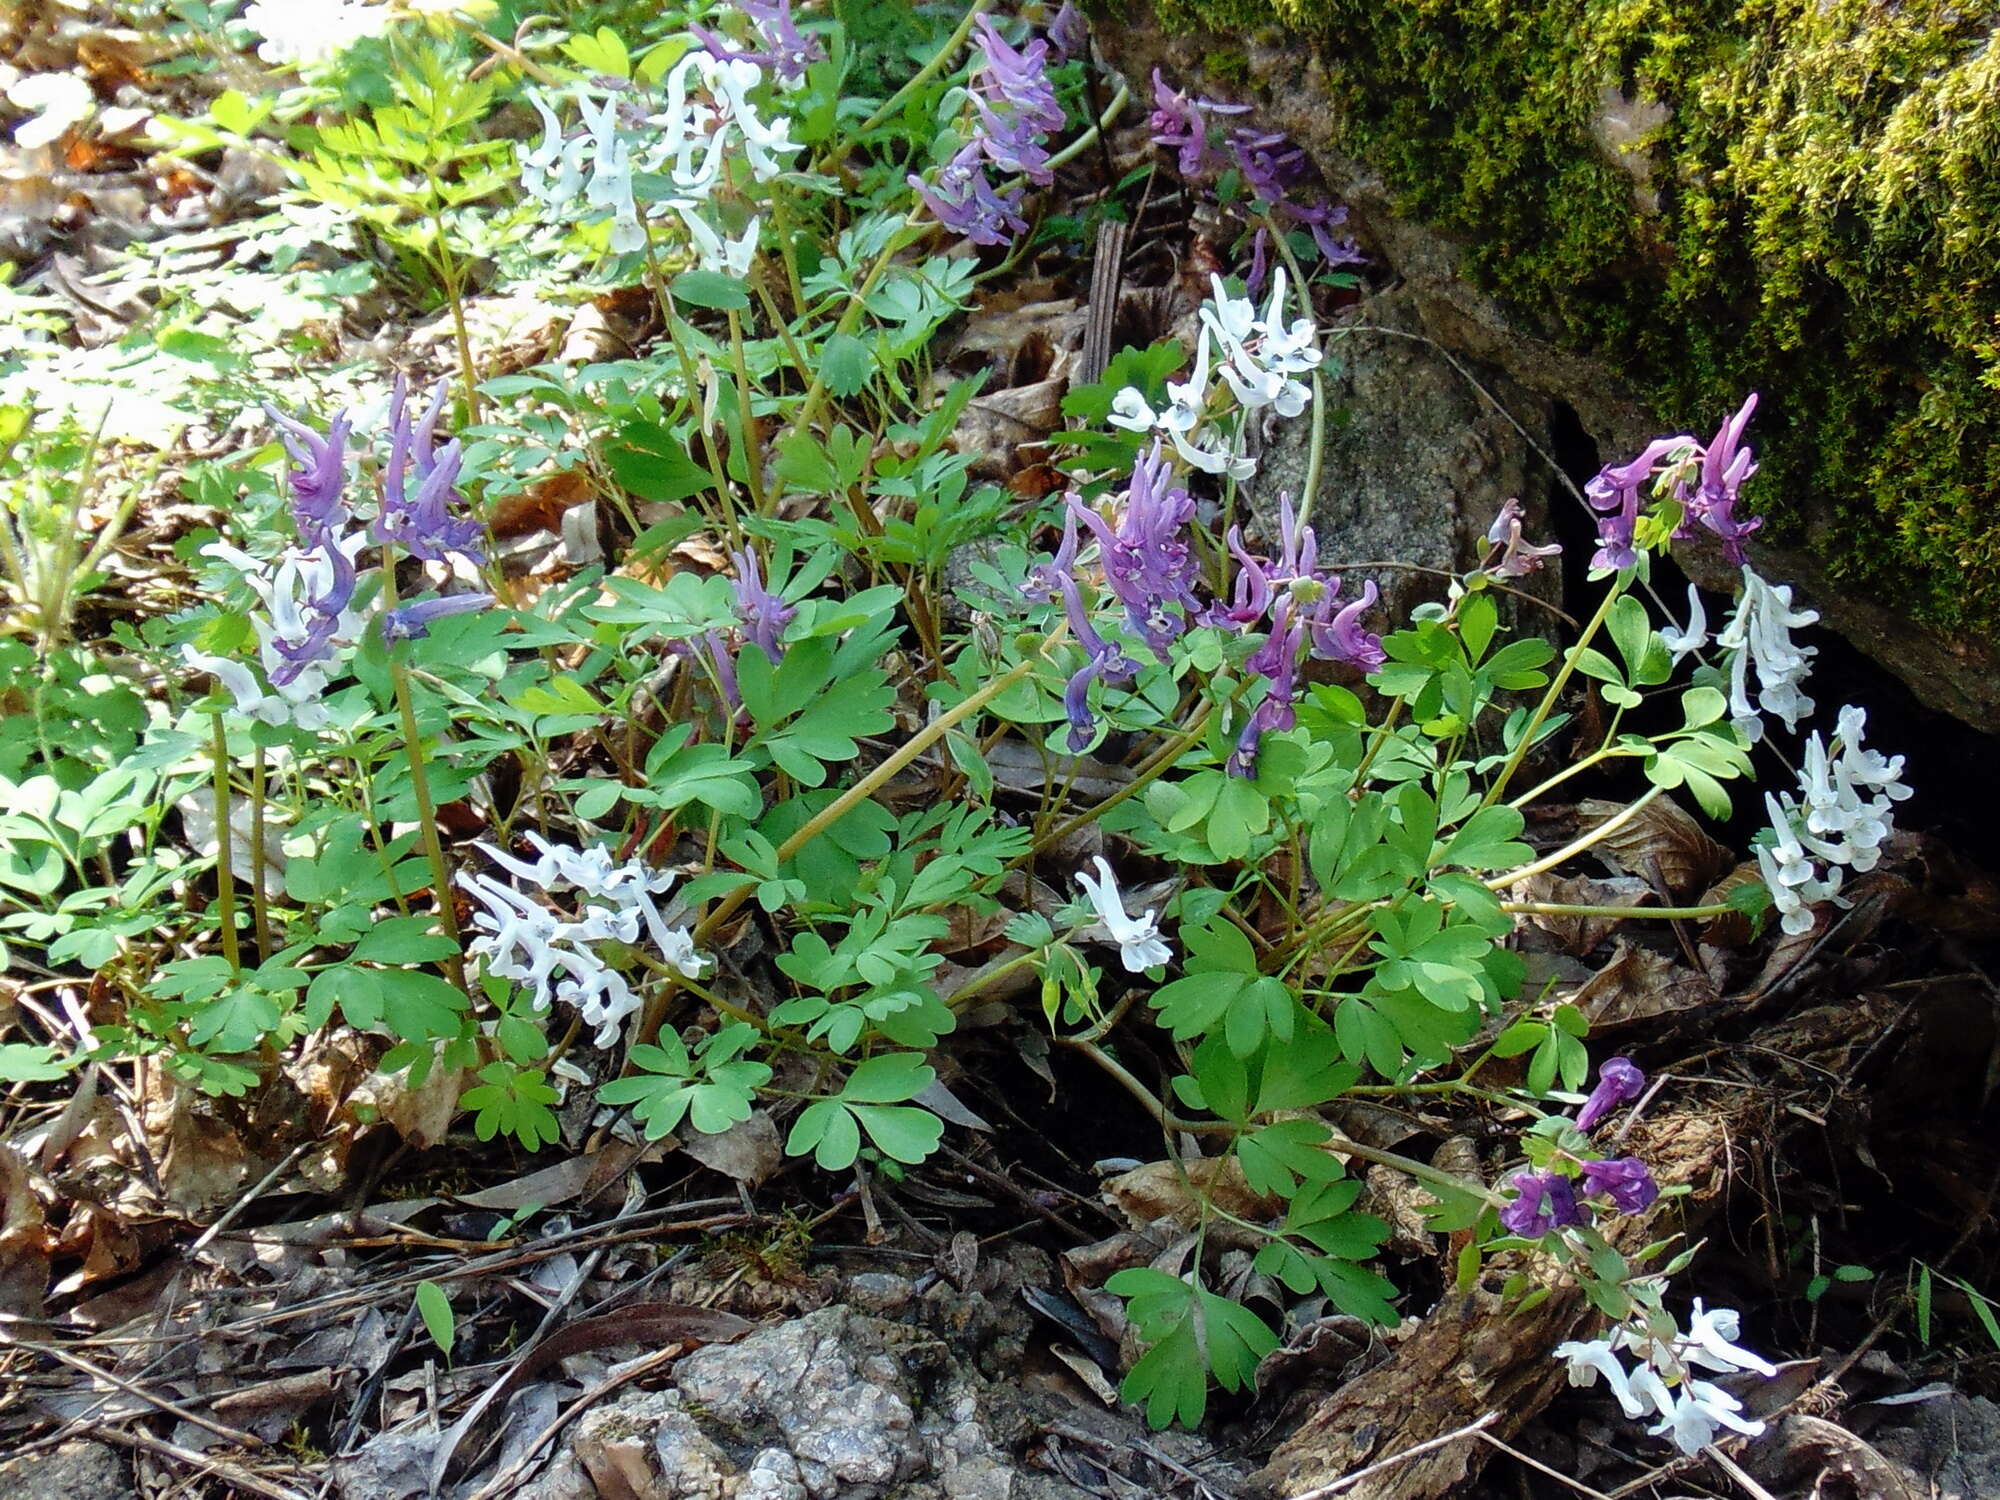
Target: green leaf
x=434, y=1307
x=829, y=1131
x=710, y=289
x=846, y=364
x=888, y=1079
x=899, y=1131
x=403, y=940
x=22, y=1063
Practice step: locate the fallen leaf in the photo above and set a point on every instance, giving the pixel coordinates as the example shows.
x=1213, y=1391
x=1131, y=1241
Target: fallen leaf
x=1638, y=983
x=1662, y=845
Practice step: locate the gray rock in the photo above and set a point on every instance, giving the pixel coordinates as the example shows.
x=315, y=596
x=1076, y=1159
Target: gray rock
x=563, y=1479
x=75, y=1471
x=828, y=1386
x=880, y=1292
x=773, y=1475
x=389, y=1466
x=645, y=1446
x=1952, y=1444
x=1415, y=461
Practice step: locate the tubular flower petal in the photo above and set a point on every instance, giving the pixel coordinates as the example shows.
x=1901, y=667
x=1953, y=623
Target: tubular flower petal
x=1140, y=946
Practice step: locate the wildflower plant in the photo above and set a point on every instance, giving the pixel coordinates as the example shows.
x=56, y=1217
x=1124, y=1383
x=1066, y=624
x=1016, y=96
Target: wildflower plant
x=513, y=834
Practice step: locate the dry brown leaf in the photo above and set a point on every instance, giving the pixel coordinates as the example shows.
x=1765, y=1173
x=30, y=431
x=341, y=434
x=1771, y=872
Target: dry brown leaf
x=1638, y=983
x=1581, y=935
x=1662, y=845
x=1172, y=1192
x=748, y=1151
x=1733, y=930
x=24, y=1240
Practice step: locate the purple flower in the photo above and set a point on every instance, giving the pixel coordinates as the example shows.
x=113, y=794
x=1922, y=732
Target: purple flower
x=1180, y=124
x=1625, y=1180
x=1069, y=32
x=1518, y=556
x=412, y=622
x=1008, y=142
x=1102, y=660
x=763, y=613
x=1147, y=562
x=962, y=200
x=1615, y=493
x=1277, y=662
x=1342, y=637
x=1618, y=1081
x=422, y=523
x=1322, y=218
x=319, y=477
x=786, y=50
x=1017, y=81
x=1269, y=161
x=1724, y=467
x=1543, y=1201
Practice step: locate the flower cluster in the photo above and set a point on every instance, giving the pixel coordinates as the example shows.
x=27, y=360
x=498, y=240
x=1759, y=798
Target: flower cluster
x=1758, y=637
x=1547, y=1201
x=1056, y=581
x=308, y=593
x=1704, y=480
x=705, y=107
x=782, y=47
x=1273, y=166
x=1831, y=820
x=1140, y=946
x=1661, y=1380
x=1298, y=604
x=1517, y=557
x=297, y=35
x=1014, y=107
x=1260, y=360
x=555, y=956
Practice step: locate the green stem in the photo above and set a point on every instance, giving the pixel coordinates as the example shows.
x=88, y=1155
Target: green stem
x=1565, y=909
x=753, y=456
x=923, y=76
x=865, y=788
x=427, y=820
x=1548, y=703
x=983, y=978
x=260, y=911
x=1575, y=847
x=1156, y=765
x=225, y=876
x=1596, y=757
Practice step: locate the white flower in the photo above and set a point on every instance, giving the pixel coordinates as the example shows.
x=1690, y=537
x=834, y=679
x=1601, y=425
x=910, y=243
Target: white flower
x=59, y=100
x=302, y=34
x=732, y=257
x=1710, y=1342
x=1759, y=635
x=1682, y=642
x=1698, y=1410
x=1138, y=938
x=296, y=702
x=1130, y=411
x=526, y=942
x=1588, y=1360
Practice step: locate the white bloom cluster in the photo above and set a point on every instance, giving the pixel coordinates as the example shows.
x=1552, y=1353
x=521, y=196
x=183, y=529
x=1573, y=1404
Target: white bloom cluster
x=1140, y=945
x=553, y=955
x=1836, y=822
x=1662, y=1382
x=1260, y=358
x=1758, y=635
x=288, y=587
x=705, y=106
x=297, y=34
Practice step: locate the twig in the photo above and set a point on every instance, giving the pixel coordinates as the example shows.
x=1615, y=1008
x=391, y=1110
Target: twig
x=1735, y=1471
x=1536, y=1464
x=205, y=1463
x=118, y=1382
x=235, y=1209
x=1349, y=1481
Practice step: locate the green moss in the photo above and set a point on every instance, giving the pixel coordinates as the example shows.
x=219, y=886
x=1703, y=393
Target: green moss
x=1827, y=230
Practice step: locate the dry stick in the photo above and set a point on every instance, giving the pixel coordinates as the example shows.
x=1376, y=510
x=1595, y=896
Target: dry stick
x=1735, y=1471
x=118, y=1382
x=235, y=1209
x=503, y=1482
x=1348, y=1481
x=229, y=1473
x=1535, y=1463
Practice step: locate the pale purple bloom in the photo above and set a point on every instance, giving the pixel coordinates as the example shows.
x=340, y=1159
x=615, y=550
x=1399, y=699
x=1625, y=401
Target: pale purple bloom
x=1069, y=32
x=1277, y=661
x=1543, y=1201
x=1618, y=1082
x=1253, y=590
x=763, y=613
x=412, y=622
x=1102, y=660
x=422, y=522
x=786, y=50
x=1147, y=561
x=1518, y=556
x=1343, y=638
x=1625, y=1180
x=322, y=616
x=962, y=200
x=1260, y=262
x=1614, y=493
x=1008, y=141
x=1724, y=467
x=1017, y=80
x=1322, y=218
x=319, y=476
x=1180, y=123
x=1269, y=161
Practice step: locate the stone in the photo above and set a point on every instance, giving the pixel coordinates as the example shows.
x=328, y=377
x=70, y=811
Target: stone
x=646, y=1446
x=828, y=1385
x=74, y=1471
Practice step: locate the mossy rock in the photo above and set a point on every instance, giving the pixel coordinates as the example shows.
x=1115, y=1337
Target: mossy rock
x=1798, y=197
